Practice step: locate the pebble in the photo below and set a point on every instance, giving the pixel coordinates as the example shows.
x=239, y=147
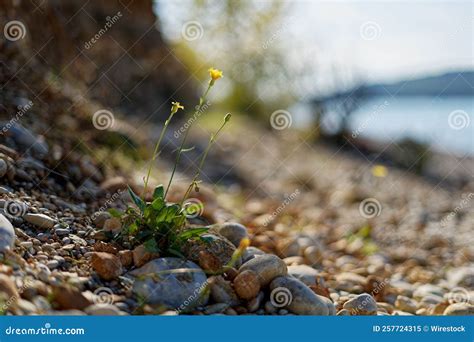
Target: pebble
x=113, y=225
x=3, y=167
x=126, y=258
x=141, y=256
x=222, y=291
x=426, y=290
x=52, y=264
x=247, y=285
x=461, y=277
x=306, y=274
x=313, y=254
x=267, y=267
x=40, y=220
x=406, y=304
x=106, y=265
x=292, y=294
x=459, y=309
x=216, y=308
x=67, y=297
x=363, y=304
x=232, y=231
x=8, y=287
x=254, y=304
x=217, y=247
x=62, y=231
x=26, y=244
x=250, y=253
x=173, y=282
x=103, y=310
x=7, y=234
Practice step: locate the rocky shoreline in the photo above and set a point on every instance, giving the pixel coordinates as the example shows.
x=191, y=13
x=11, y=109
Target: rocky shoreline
x=57, y=257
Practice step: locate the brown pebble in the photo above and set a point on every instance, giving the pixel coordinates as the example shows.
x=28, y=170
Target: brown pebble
x=126, y=258
x=247, y=285
x=101, y=246
x=141, y=256
x=8, y=289
x=106, y=265
x=68, y=297
x=209, y=262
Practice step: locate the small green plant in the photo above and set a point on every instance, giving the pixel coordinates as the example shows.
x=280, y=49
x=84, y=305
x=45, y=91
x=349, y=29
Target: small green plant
x=160, y=225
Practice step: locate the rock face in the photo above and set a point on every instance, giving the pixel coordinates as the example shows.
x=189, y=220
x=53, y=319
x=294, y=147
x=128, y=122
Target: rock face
x=7, y=234
x=363, y=304
x=232, y=231
x=267, y=267
x=174, y=282
x=292, y=294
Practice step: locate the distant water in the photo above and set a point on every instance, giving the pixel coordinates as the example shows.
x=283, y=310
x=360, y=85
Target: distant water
x=446, y=124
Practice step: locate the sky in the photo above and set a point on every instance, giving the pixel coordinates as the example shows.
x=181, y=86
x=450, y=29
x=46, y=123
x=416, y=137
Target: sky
x=376, y=40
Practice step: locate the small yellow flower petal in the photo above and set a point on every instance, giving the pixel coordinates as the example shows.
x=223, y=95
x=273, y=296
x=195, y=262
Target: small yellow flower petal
x=175, y=106
x=244, y=243
x=379, y=171
x=215, y=74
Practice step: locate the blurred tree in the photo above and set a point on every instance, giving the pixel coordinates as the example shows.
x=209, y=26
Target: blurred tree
x=242, y=38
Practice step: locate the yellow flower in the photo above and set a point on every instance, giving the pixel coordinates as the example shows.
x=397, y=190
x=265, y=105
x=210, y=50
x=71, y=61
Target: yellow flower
x=215, y=74
x=379, y=171
x=244, y=243
x=175, y=106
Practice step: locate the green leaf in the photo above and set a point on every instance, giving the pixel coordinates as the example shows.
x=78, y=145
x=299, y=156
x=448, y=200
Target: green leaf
x=159, y=192
x=151, y=246
x=115, y=213
x=136, y=199
x=193, y=232
x=175, y=252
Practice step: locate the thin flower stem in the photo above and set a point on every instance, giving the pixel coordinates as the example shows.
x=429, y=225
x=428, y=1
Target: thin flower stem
x=181, y=147
x=212, y=140
x=155, y=152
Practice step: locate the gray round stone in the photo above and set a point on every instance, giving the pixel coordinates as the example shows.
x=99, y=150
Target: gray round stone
x=174, y=282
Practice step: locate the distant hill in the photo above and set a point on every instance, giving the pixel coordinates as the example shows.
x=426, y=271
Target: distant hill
x=450, y=84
